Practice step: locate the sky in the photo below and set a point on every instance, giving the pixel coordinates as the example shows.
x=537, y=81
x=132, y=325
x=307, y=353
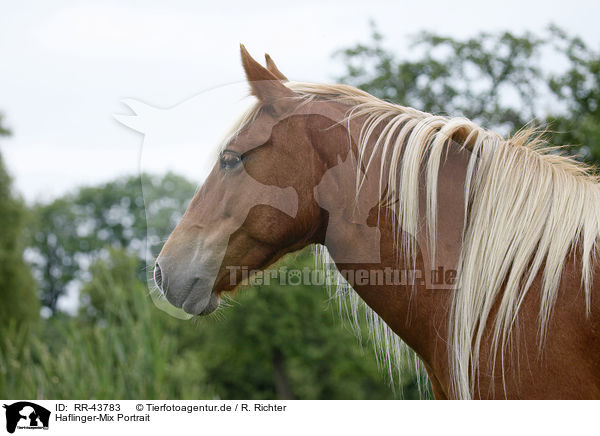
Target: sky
x=67, y=66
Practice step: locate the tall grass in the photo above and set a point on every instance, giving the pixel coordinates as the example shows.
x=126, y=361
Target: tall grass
x=127, y=351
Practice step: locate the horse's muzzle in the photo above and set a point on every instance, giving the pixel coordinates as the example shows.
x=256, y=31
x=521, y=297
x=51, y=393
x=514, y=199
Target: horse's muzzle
x=190, y=292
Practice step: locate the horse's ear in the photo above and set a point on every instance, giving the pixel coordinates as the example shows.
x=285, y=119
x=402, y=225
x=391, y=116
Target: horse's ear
x=273, y=68
x=264, y=84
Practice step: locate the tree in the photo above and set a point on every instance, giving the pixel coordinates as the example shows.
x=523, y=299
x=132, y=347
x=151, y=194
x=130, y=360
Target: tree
x=3, y=130
x=18, y=299
x=450, y=76
x=285, y=341
x=494, y=79
x=579, y=88
x=75, y=229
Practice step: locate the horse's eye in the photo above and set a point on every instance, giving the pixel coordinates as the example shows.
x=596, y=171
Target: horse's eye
x=230, y=159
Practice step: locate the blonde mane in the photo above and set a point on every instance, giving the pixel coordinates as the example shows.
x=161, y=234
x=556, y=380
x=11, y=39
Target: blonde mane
x=526, y=208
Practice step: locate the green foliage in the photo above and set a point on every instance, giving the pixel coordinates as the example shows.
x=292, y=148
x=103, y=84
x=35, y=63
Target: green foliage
x=73, y=230
x=120, y=347
x=4, y=131
x=579, y=88
x=53, y=240
x=456, y=77
x=285, y=341
x=18, y=300
x=492, y=78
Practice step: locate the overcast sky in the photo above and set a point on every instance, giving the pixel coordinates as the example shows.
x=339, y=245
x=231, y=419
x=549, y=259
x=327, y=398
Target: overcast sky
x=66, y=65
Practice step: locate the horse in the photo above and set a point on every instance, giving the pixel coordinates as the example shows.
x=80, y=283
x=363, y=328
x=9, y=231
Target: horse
x=510, y=224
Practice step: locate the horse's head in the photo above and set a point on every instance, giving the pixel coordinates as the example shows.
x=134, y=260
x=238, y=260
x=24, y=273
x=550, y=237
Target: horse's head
x=258, y=202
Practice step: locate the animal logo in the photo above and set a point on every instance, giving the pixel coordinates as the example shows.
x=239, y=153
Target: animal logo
x=26, y=415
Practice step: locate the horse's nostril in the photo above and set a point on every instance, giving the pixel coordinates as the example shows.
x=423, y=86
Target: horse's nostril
x=158, y=276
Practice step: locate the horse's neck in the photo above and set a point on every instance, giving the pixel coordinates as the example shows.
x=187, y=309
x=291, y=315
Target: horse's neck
x=364, y=241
